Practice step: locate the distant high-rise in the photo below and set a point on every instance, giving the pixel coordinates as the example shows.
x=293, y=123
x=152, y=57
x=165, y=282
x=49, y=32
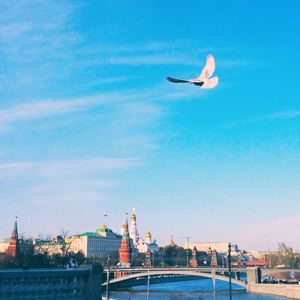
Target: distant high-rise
x=13, y=246
x=133, y=228
x=125, y=249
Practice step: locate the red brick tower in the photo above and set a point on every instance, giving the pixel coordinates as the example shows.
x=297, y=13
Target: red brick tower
x=193, y=260
x=125, y=249
x=13, y=246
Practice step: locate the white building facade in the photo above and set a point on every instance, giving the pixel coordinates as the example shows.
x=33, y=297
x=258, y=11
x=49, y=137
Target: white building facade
x=133, y=233
x=101, y=243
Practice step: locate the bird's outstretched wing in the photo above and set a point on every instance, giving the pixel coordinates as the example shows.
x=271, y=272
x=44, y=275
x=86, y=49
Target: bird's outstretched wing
x=209, y=68
x=176, y=80
x=210, y=83
x=203, y=80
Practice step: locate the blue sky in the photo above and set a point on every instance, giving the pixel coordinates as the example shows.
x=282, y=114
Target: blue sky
x=89, y=125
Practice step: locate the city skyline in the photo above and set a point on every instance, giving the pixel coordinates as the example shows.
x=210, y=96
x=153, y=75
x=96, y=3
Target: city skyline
x=89, y=125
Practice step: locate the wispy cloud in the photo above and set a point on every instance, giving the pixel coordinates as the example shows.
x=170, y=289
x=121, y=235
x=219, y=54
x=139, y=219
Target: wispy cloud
x=106, y=81
x=90, y=184
x=35, y=37
x=163, y=58
x=70, y=191
x=66, y=181
x=285, y=115
x=150, y=59
x=31, y=25
x=135, y=103
x=65, y=168
x=158, y=52
x=42, y=109
x=11, y=31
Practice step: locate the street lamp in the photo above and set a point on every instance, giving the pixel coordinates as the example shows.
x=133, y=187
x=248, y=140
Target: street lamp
x=229, y=270
x=153, y=253
x=148, y=285
x=107, y=278
x=187, y=249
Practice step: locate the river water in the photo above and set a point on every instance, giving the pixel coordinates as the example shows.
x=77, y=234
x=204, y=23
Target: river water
x=201, y=289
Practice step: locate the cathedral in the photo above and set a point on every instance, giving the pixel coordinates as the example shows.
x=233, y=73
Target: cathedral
x=139, y=244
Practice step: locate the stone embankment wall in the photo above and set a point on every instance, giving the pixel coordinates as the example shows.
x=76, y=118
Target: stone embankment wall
x=285, y=290
x=82, y=283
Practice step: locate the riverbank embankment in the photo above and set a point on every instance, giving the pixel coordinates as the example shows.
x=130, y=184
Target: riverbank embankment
x=285, y=290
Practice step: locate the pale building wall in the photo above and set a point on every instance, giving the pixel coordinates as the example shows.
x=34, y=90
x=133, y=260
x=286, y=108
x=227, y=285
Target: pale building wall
x=95, y=246
x=142, y=247
x=51, y=249
x=220, y=247
x=133, y=230
x=78, y=243
x=3, y=246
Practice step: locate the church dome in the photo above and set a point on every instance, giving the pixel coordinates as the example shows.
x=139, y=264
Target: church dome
x=103, y=230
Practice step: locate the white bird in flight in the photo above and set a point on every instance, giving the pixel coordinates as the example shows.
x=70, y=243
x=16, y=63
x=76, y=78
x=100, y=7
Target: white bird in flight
x=203, y=80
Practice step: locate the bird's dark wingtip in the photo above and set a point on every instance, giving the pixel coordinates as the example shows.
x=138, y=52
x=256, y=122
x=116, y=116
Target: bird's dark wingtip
x=175, y=80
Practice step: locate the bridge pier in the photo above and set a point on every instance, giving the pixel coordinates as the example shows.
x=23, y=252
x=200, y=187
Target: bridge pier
x=93, y=288
x=253, y=275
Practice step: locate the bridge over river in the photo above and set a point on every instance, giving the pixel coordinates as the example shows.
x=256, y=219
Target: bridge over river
x=119, y=278
x=249, y=278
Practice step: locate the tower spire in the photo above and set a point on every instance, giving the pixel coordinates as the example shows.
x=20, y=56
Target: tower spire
x=133, y=228
x=15, y=230
x=13, y=246
x=125, y=249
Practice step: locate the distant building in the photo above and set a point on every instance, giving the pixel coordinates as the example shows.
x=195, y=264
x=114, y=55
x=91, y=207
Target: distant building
x=15, y=245
x=50, y=247
x=4, y=245
x=125, y=248
x=101, y=243
x=220, y=247
x=252, y=259
x=142, y=247
x=147, y=245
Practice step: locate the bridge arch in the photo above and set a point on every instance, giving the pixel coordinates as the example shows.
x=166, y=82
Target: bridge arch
x=174, y=272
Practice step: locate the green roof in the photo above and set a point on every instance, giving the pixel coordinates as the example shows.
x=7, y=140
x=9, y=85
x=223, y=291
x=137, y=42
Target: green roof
x=94, y=234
